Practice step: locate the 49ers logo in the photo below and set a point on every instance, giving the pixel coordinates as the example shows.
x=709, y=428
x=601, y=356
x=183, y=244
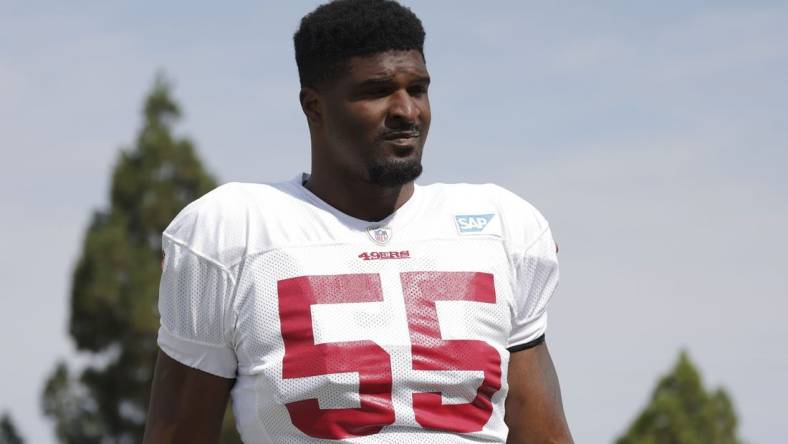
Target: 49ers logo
x=377, y=255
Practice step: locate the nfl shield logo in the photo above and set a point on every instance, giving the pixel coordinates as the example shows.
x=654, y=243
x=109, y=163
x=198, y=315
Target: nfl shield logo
x=379, y=235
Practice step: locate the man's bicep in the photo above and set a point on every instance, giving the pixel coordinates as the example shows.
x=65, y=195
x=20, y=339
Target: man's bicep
x=534, y=411
x=186, y=404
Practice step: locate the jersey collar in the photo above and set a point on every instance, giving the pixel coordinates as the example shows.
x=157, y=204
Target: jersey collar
x=397, y=219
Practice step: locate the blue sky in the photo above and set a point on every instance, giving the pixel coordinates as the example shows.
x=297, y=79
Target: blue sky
x=653, y=136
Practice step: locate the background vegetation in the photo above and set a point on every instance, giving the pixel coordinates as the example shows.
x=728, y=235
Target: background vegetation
x=114, y=289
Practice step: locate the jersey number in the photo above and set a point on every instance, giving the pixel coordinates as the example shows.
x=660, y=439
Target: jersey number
x=372, y=363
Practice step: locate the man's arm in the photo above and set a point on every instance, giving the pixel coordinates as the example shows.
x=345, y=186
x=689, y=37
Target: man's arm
x=534, y=412
x=186, y=404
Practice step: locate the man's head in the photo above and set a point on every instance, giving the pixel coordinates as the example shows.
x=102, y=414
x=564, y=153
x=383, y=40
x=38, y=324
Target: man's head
x=364, y=89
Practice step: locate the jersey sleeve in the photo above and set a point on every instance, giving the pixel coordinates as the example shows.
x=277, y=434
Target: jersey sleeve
x=195, y=316
x=536, y=271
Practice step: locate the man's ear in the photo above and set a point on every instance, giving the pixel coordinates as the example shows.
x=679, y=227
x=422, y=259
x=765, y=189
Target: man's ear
x=311, y=105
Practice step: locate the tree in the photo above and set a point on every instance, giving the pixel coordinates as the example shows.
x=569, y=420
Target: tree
x=8, y=433
x=682, y=412
x=115, y=283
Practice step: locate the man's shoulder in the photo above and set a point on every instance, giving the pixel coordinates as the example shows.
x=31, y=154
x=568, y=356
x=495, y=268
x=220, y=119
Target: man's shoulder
x=219, y=224
x=519, y=221
x=228, y=204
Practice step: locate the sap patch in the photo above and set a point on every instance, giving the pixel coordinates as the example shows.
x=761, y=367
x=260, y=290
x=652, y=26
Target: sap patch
x=472, y=223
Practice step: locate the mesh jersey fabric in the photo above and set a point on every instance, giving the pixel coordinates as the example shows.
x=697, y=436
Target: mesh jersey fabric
x=336, y=331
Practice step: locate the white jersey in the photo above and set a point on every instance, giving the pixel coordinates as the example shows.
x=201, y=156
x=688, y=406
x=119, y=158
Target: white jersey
x=341, y=329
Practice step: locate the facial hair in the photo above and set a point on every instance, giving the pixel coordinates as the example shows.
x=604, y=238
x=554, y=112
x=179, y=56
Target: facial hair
x=395, y=174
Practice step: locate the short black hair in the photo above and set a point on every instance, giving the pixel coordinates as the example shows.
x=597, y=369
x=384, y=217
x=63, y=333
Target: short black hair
x=341, y=29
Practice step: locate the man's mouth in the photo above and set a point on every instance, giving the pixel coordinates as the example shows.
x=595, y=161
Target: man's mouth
x=401, y=136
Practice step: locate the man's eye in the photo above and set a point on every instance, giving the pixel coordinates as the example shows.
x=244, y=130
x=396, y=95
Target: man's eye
x=417, y=90
x=377, y=92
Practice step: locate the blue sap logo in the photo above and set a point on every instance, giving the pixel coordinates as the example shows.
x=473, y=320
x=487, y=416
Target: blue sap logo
x=473, y=223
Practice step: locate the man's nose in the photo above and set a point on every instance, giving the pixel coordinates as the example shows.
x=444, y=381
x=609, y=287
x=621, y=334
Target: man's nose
x=403, y=108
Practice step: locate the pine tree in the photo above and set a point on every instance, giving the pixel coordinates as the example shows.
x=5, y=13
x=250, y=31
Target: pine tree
x=115, y=283
x=682, y=412
x=8, y=433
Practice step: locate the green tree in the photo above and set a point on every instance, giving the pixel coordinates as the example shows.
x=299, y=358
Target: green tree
x=681, y=411
x=113, y=319
x=8, y=433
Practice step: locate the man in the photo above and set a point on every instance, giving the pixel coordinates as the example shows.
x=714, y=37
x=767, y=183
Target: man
x=351, y=304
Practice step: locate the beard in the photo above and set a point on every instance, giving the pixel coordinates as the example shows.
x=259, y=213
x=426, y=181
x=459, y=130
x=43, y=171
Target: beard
x=395, y=173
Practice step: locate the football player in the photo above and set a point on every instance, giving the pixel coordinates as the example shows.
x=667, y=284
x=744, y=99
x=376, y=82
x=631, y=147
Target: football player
x=350, y=304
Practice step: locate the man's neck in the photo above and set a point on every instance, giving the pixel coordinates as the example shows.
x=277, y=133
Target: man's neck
x=359, y=199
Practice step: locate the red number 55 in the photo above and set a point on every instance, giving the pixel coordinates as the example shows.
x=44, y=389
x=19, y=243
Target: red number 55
x=430, y=352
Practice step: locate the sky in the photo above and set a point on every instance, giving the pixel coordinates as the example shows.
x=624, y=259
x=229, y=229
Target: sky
x=652, y=135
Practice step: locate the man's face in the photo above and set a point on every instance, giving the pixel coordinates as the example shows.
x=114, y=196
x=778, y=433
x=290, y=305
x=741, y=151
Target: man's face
x=376, y=117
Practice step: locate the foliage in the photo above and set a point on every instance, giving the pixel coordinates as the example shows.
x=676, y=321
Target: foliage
x=114, y=288
x=8, y=433
x=682, y=412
